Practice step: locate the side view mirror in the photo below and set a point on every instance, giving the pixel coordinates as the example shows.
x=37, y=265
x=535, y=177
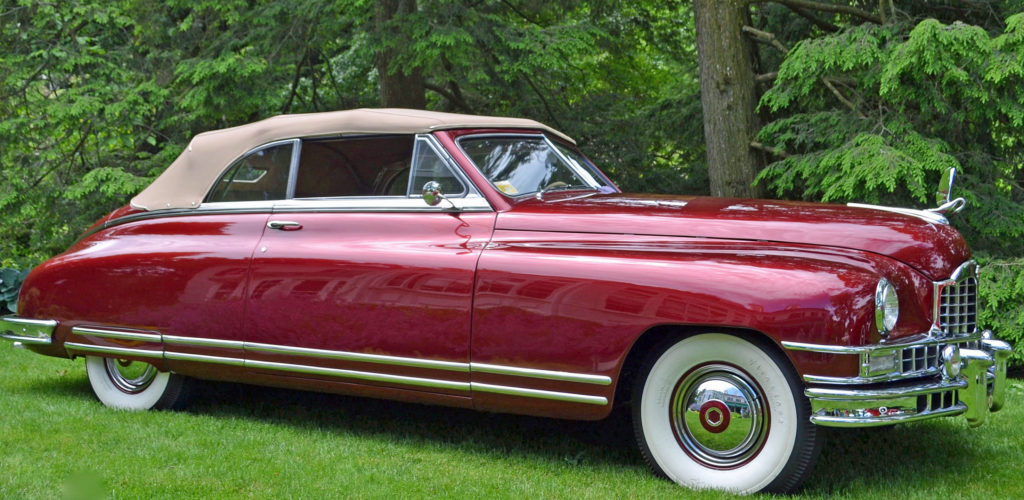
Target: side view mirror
x=944, y=196
x=433, y=195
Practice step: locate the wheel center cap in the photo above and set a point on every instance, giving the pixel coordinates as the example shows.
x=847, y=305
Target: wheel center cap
x=714, y=416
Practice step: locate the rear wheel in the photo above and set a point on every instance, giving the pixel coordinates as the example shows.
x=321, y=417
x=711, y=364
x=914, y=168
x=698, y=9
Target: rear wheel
x=717, y=411
x=134, y=385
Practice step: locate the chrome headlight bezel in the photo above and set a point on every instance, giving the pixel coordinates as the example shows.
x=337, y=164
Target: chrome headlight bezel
x=887, y=307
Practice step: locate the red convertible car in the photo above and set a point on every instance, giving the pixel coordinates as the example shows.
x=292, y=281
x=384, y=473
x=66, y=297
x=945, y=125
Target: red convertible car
x=485, y=263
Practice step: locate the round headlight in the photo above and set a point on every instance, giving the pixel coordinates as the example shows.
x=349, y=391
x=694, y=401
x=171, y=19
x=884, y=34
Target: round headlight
x=887, y=307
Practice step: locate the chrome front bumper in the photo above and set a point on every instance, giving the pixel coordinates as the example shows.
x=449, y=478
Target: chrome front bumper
x=27, y=331
x=974, y=387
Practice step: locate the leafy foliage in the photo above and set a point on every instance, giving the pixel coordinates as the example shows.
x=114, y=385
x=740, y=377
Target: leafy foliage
x=877, y=112
x=1002, y=302
x=97, y=98
x=10, y=284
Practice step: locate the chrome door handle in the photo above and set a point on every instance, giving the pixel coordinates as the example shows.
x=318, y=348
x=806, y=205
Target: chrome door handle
x=284, y=225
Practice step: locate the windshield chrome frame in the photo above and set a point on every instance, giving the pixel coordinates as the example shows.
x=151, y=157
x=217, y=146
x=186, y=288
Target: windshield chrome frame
x=596, y=176
x=468, y=188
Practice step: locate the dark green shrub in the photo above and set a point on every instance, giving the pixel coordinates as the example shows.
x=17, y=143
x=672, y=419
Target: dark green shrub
x=1002, y=302
x=10, y=284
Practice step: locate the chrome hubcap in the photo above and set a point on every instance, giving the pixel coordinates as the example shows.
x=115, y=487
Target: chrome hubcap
x=130, y=376
x=719, y=415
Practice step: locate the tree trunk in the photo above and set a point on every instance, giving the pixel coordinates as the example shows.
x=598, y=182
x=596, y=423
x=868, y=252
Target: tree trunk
x=399, y=87
x=728, y=96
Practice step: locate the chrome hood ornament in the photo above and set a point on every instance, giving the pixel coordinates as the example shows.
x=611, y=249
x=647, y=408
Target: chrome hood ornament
x=944, y=195
x=935, y=215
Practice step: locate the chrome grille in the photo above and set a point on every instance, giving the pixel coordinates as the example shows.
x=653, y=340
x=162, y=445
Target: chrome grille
x=936, y=401
x=918, y=358
x=958, y=306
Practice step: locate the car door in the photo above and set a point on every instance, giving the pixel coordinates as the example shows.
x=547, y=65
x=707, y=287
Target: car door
x=200, y=263
x=357, y=281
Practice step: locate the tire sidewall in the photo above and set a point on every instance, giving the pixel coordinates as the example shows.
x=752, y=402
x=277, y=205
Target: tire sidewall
x=109, y=394
x=655, y=425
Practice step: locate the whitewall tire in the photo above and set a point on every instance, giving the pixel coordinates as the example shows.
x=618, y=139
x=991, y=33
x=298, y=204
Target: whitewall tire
x=134, y=385
x=716, y=411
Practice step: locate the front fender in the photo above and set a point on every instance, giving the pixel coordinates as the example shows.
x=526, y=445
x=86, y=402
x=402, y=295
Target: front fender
x=573, y=302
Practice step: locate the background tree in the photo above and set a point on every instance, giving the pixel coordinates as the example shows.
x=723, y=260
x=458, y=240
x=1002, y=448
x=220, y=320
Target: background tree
x=400, y=87
x=728, y=96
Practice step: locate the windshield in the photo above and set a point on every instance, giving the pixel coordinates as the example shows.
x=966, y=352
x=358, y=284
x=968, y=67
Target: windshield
x=520, y=165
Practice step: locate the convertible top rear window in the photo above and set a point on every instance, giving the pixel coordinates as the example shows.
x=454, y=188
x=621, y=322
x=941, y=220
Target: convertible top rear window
x=259, y=175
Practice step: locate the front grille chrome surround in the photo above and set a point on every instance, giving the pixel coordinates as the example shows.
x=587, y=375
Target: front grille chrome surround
x=956, y=302
x=915, y=357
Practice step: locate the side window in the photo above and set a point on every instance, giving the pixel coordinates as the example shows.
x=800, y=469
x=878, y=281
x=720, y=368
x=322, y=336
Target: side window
x=428, y=166
x=260, y=175
x=359, y=166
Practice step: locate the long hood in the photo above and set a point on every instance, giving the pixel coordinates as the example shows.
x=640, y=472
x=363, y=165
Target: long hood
x=934, y=249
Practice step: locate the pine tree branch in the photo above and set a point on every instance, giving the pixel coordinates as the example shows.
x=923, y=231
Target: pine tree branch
x=766, y=77
x=826, y=7
x=815, y=20
x=295, y=83
x=520, y=13
x=543, y=101
x=770, y=150
x=765, y=37
x=839, y=95
x=452, y=98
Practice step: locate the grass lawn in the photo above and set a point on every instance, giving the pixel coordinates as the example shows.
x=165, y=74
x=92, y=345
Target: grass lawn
x=57, y=441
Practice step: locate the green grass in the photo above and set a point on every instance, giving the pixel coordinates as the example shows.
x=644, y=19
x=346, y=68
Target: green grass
x=234, y=441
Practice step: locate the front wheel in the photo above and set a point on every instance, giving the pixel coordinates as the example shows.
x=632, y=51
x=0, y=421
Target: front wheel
x=134, y=385
x=717, y=411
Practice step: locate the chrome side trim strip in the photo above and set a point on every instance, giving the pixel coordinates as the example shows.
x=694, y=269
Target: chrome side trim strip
x=217, y=360
x=536, y=393
x=26, y=330
x=115, y=334
x=828, y=349
x=203, y=342
x=469, y=203
x=359, y=375
x=116, y=351
x=359, y=357
x=929, y=338
x=19, y=340
x=347, y=356
x=541, y=374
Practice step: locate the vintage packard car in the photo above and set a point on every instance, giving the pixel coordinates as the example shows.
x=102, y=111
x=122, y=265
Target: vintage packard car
x=486, y=263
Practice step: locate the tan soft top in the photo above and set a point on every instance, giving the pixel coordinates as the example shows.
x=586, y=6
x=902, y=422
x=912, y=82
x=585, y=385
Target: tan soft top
x=189, y=178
